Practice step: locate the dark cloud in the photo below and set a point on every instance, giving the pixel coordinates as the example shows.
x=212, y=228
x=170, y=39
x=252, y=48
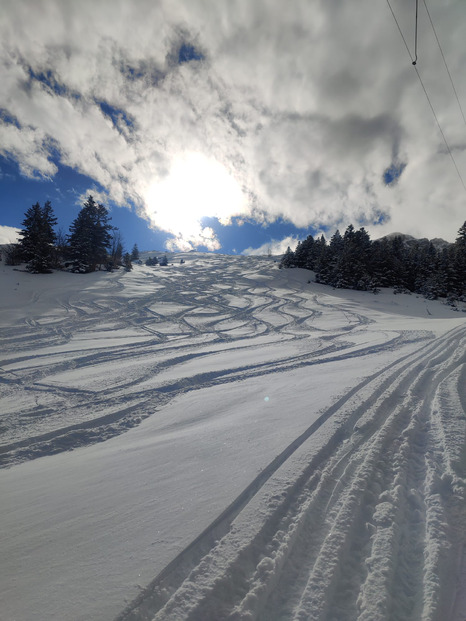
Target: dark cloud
x=358, y=135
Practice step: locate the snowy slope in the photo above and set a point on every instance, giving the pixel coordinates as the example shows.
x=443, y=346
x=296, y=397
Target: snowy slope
x=274, y=449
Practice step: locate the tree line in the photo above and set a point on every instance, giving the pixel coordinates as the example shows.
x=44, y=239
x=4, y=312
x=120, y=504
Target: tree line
x=92, y=242
x=353, y=261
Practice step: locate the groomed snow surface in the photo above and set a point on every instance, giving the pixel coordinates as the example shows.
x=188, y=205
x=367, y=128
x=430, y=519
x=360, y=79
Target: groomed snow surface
x=221, y=439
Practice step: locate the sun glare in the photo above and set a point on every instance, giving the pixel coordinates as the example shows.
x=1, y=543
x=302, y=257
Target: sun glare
x=196, y=187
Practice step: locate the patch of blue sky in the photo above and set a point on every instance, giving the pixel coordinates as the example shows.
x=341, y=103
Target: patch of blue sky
x=8, y=118
x=188, y=52
x=242, y=234
x=393, y=173
x=116, y=115
x=48, y=79
x=20, y=192
x=379, y=217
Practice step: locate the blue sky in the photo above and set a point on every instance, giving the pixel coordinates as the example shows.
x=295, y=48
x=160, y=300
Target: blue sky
x=232, y=126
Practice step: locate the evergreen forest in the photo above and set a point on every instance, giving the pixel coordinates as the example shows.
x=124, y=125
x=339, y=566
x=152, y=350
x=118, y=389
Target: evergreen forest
x=92, y=243
x=434, y=269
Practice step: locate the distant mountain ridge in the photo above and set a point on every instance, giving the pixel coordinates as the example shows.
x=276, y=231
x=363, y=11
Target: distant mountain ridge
x=409, y=240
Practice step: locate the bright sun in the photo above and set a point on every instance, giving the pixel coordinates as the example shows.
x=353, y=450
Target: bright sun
x=196, y=187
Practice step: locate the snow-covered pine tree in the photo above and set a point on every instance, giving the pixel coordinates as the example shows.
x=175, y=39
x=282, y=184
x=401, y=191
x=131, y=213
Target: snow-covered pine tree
x=460, y=261
x=321, y=259
x=288, y=259
x=38, y=238
x=303, y=251
x=331, y=271
x=90, y=237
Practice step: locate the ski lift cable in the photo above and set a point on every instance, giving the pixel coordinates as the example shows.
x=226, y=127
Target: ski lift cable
x=427, y=97
x=445, y=62
x=400, y=31
x=415, y=33
x=440, y=129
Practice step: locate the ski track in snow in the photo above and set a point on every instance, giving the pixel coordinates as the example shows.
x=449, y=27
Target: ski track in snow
x=361, y=517
x=364, y=530
x=101, y=364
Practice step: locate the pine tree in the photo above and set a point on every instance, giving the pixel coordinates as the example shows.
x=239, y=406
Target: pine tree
x=288, y=259
x=31, y=233
x=127, y=262
x=90, y=237
x=321, y=259
x=38, y=238
x=398, y=259
x=460, y=261
x=12, y=254
x=331, y=272
x=116, y=250
x=61, y=248
x=303, y=252
x=362, y=278
x=135, y=253
x=348, y=260
x=423, y=263
x=380, y=263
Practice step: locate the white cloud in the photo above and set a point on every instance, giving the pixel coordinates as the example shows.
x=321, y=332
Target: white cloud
x=99, y=197
x=274, y=246
x=296, y=112
x=192, y=240
x=8, y=235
